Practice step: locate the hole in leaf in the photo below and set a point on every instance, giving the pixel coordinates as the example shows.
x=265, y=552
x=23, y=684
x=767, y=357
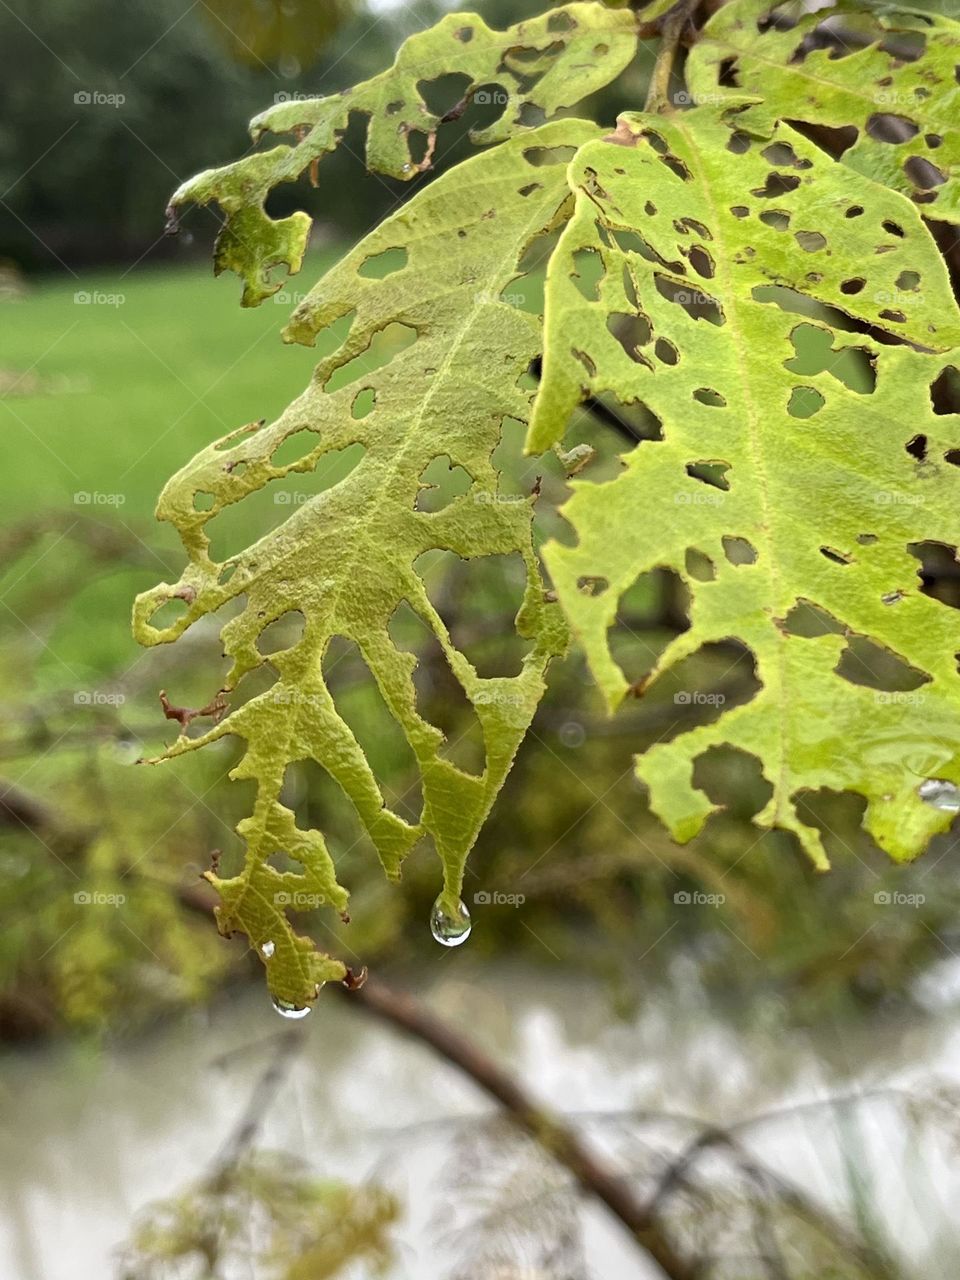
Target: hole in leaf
x=779, y=219
x=922, y=173
x=294, y=447
x=777, y=184
x=838, y=557
x=385, y=345
x=706, y=395
x=916, y=446
x=593, y=586
x=883, y=127
x=666, y=351
x=739, y=550
x=478, y=600
x=809, y=620
x=893, y=228
x=701, y=262
x=867, y=663
x=632, y=332
x=282, y=633
x=443, y=482
x=810, y=241
x=939, y=571
x=203, y=501
x=697, y=305
x=538, y=156
x=852, y=286
x=710, y=472
x=945, y=391
x=588, y=272
x=853, y=366
x=380, y=265
x=363, y=403
x=699, y=565
x=804, y=402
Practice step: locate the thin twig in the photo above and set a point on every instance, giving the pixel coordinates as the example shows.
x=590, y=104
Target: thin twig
x=674, y=24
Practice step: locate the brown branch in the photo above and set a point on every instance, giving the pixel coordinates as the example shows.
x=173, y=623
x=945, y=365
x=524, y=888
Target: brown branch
x=592, y=1173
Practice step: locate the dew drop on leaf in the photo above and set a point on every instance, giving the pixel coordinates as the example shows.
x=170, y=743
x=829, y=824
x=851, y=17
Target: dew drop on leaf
x=448, y=930
x=287, y=1009
x=267, y=950
x=941, y=794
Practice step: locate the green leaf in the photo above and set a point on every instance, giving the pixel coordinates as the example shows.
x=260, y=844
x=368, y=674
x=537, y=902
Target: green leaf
x=713, y=250
x=346, y=559
x=533, y=69
x=890, y=75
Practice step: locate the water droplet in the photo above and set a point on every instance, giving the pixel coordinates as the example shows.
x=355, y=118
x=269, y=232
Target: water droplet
x=449, y=930
x=941, y=794
x=287, y=1009
x=406, y=168
x=267, y=950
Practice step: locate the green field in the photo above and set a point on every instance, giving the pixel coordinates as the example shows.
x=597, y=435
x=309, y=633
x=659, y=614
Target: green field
x=129, y=390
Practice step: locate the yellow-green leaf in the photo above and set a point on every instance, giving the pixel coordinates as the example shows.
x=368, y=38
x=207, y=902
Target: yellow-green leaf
x=803, y=465
x=345, y=560
x=532, y=69
x=889, y=79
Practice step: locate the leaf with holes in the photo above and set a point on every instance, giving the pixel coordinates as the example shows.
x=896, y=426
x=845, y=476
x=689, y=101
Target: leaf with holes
x=888, y=82
x=345, y=560
x=804, y=470
x=532, y=70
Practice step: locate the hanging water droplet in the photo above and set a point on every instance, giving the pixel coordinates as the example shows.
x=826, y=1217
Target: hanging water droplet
x=941, y=794
x=287, y=1009
x=267, y=950
x=449, y=930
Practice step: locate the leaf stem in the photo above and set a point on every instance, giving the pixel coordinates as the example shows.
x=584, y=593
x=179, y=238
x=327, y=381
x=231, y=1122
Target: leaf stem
x=674, y=22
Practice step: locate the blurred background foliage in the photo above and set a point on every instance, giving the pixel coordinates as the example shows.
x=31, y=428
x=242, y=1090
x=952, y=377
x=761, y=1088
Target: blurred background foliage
x=105, y=399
